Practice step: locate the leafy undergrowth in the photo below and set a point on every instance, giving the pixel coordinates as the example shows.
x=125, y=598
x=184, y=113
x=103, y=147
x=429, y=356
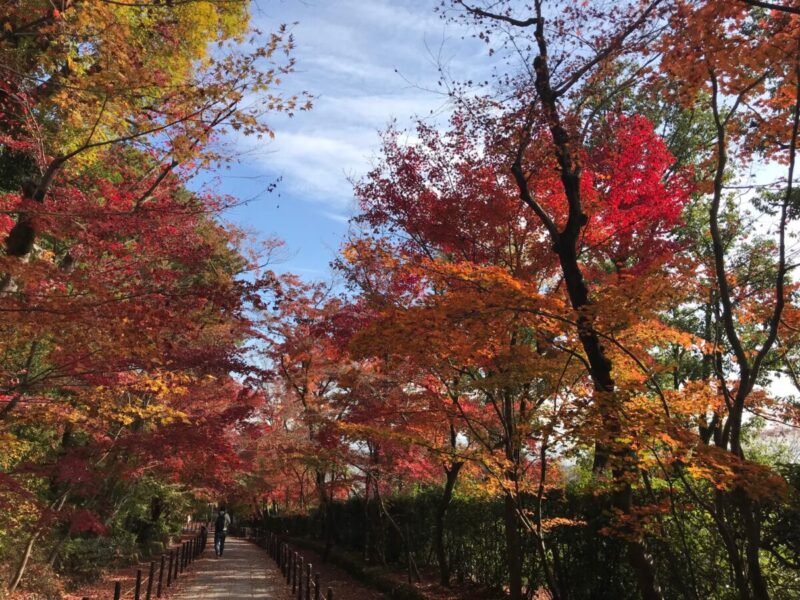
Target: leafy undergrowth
x=103, y=588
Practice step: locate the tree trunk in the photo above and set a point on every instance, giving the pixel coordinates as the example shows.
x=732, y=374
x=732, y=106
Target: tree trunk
x=26, y=555
x=326, y=506
x=405, y=538
x=639, y=559
x=23, y=563
x=374, y=539
x=565, y=245
x=19, y=241
x=751, y=517
x=441, y=513
x=513, y=549
x=51, y=560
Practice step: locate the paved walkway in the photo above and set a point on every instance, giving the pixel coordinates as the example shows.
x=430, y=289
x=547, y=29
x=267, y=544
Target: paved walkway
x=243, y=572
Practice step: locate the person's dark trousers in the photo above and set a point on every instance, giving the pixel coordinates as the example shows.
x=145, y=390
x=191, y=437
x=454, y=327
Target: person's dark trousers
x=219, y=542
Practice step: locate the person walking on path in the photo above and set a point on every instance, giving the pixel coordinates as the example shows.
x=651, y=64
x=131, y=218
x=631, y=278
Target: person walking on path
x=221, y=530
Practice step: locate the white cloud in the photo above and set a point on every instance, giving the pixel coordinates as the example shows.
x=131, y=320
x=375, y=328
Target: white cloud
x=357, y=57
x=380, y=110
x=318, y=163
x=337, y=217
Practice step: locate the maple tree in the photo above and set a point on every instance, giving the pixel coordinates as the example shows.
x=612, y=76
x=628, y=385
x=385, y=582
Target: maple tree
x=124, y=295
x=106, y=350
x=556, y=200
x=755, y=112
x=414, y=185
x=83, y=77
x=301, y=337
x=565, y=73
x=570, y=304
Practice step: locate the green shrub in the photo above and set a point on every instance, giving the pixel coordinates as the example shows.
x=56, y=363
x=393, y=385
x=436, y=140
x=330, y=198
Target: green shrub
x=86, y=558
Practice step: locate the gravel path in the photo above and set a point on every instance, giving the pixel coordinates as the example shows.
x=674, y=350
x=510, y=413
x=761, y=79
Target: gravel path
x=243, y=572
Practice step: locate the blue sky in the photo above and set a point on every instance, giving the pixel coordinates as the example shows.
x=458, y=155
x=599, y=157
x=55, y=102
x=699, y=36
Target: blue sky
x=366, y=62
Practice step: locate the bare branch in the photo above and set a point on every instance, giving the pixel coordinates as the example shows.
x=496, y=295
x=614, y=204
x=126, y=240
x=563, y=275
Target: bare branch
x=795, y=10
x=613, y=46
x=497, y=16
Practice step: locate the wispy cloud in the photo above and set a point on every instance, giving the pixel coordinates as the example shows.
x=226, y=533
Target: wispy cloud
x=367, y=62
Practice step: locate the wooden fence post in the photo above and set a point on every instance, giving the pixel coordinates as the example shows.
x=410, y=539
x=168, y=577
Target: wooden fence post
x=317, y=591
x=300, y=572
x=330, y=594
x=169, y=570
x=117, y=590
x=160, y=578
x=150, y=580
x=308, y=581
x=138, y=588
x=294, y=573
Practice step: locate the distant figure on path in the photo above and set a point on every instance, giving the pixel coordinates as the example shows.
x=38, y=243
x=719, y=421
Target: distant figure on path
x=221, y=530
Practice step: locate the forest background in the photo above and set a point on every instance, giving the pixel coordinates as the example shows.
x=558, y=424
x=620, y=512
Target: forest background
x=559, y=355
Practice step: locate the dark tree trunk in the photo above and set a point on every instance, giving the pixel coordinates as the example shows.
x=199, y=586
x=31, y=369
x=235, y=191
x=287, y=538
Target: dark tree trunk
x=441, y=513
x=53, y=557
x=373, y=544
x=751, y=517
x=328, y=519
x=513, y=549
x=565, y=245
x=156, y=508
